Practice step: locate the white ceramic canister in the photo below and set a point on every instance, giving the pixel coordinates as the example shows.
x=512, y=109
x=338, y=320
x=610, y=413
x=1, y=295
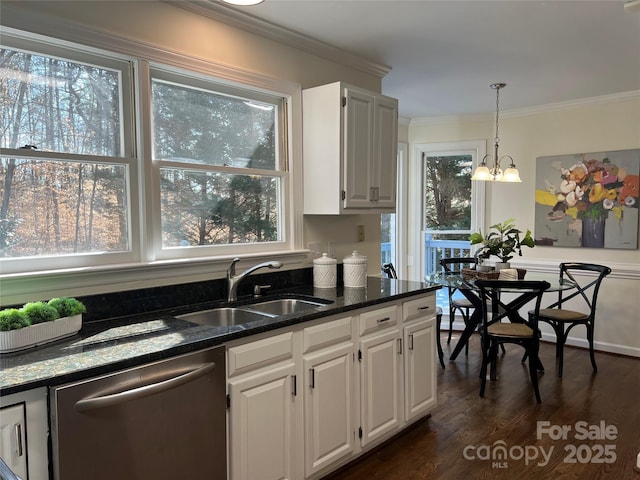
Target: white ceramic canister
x=355, y=270
x=325, y=272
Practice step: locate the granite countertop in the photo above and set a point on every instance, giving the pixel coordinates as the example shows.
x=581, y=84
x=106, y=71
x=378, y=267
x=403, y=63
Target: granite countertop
x=106, y=346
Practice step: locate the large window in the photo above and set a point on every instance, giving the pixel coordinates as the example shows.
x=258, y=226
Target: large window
x=196, y=166
x=64, y=189
x=220, y=167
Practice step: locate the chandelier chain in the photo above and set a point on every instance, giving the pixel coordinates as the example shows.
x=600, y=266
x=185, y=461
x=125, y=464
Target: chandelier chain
x=497, y=139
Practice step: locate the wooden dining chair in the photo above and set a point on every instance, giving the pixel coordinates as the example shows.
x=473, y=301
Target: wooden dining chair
x=494, y=332
x=463, y=305
x=563, y=319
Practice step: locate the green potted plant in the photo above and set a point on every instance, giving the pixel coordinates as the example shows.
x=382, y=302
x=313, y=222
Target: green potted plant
x=12, y=319
x=503, y=241
x=40, y=312
x=37, y=323
x=67, y=307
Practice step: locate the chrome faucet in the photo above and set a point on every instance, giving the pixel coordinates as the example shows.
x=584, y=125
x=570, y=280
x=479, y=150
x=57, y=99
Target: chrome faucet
x=234, y=280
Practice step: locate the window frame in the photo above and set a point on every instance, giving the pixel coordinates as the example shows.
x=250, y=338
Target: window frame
x=144, y=265
x=125, y=65
x=281, y=171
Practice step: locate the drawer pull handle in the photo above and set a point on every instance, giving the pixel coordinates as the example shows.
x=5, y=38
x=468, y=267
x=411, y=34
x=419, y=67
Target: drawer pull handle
x=382, y=320
x=424, y=308
x=19, y=440
x=410, y=342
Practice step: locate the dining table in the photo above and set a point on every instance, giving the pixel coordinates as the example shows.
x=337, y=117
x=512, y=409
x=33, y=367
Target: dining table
x=465, y=284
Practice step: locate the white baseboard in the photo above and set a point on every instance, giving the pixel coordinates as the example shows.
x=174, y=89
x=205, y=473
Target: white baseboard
x=573, y=341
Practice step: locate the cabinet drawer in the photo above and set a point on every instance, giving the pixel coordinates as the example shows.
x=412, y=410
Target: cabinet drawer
x=260, y=353
x=378, y=319
x=325, y=334
x=419, y=308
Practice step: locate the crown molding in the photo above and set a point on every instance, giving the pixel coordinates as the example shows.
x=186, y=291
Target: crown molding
x=106, y=42
x=570, y=104
x=522, y=112
x=245, y=21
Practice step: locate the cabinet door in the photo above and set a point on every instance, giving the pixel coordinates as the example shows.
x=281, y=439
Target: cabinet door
x=419, y=360
x=358, y=148
x=385, y=152
x=381, y=385
x=13, y=448
x=262, y=425
x=328, y=405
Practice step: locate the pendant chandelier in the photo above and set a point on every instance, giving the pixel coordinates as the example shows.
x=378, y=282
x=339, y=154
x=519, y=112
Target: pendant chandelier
x=494, y=173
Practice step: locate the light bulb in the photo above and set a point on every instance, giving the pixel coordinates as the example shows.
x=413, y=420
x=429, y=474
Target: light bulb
x=481, y=173
x=511, y=174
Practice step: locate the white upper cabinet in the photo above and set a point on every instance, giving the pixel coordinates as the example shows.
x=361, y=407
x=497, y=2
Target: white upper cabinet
x=350, y=138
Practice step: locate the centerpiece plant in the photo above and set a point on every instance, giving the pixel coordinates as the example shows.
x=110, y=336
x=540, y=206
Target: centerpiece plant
x=504, y=241
x=39, y=322
x=33, y=313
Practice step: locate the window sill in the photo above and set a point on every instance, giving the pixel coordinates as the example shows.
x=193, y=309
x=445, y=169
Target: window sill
x=20, y=288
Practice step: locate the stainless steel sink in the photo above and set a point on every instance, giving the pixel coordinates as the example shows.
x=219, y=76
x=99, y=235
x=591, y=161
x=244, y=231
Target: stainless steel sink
x=223, y=317
x=269, y=309
x=285, y=306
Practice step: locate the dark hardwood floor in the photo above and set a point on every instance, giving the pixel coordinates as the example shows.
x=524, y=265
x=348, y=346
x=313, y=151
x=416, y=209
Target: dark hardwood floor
x=457, y=441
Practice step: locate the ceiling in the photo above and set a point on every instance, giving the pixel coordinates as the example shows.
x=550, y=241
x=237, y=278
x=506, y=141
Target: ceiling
x=444, y=54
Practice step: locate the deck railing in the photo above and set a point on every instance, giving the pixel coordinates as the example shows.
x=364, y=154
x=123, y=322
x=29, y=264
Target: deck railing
x=434, y=250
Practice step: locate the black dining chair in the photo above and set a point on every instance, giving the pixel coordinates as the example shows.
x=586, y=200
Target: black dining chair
x=390, y=272
x=456, y=303
x=562, y=319
x=494, y=332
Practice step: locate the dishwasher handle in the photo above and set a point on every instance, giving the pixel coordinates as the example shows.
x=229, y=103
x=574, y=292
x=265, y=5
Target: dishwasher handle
x=94, y=403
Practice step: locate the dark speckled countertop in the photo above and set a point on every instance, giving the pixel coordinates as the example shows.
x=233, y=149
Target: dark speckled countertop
x=114, y=344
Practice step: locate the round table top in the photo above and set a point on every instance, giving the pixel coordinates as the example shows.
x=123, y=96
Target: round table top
x=459, y=281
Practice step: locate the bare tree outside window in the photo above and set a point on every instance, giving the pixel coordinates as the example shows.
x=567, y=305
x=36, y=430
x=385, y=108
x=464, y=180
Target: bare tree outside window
x=52, y=205
x=79, y=187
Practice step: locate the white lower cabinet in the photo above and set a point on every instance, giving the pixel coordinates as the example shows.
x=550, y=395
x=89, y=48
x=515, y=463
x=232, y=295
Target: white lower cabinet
x=13, y=447
x=24, y=433
x=380, y=374
x=262, y=403
x=328, y=406
x=307, y=401
x=419, y=358
x=419, y=332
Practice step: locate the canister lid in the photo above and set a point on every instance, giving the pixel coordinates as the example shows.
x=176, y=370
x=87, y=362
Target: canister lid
x=325, y=260
x=355, y=259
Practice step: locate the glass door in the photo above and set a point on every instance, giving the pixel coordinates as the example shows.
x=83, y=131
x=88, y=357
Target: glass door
x=393, y=225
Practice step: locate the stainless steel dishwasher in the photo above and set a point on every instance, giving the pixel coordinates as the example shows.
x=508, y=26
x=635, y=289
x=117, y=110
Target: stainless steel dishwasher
x=164, y=420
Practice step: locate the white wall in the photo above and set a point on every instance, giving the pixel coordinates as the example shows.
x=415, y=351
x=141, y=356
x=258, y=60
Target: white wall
x=595, y=125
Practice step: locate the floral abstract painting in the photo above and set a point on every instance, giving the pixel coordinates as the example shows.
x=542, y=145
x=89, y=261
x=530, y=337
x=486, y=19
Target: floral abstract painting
x=588, y=200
